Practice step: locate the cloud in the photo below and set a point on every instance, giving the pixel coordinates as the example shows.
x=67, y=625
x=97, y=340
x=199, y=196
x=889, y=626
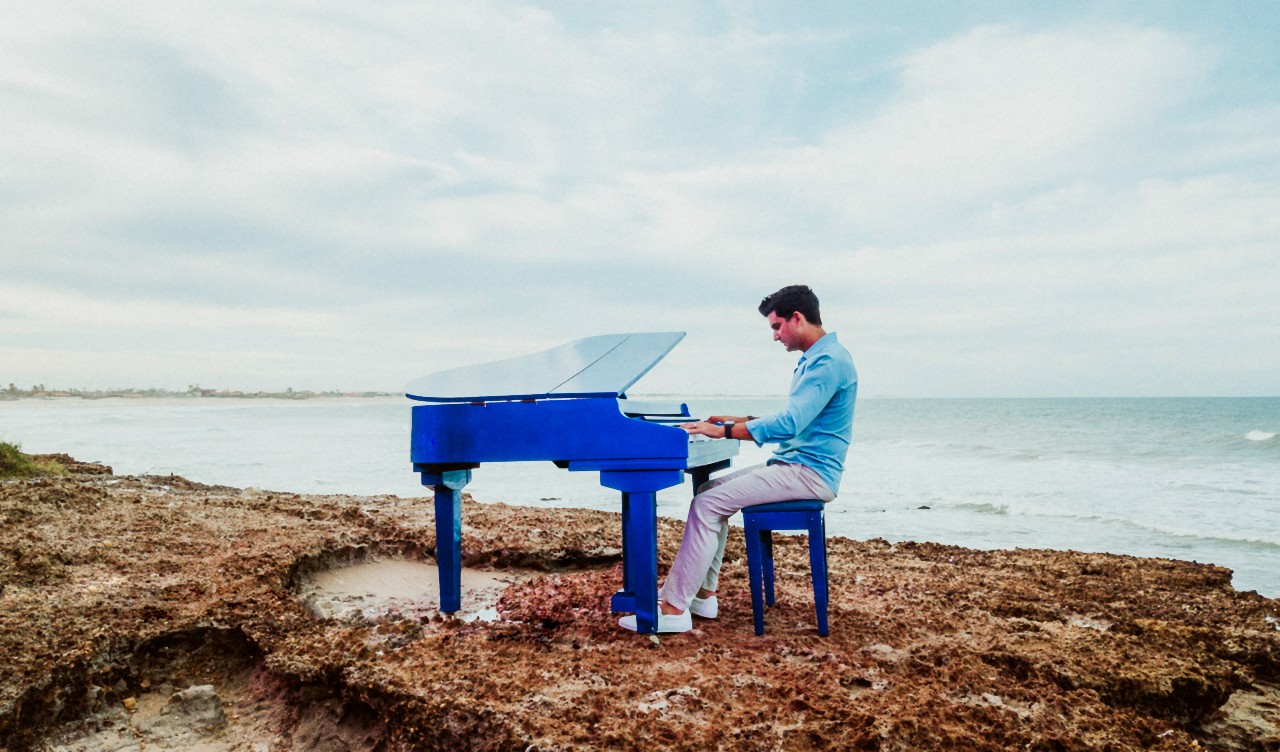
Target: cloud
x=46, y=309
x=418, y=184
x=987, y=113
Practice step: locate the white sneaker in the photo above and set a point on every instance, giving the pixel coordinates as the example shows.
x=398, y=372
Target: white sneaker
x=707, y=608
x=667, y=623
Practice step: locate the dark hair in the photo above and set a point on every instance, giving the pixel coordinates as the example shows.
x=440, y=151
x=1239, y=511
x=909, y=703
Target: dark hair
x=790, y=299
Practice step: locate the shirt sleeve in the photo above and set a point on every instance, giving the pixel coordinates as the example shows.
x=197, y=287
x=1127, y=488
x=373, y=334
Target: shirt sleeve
x=811, y=392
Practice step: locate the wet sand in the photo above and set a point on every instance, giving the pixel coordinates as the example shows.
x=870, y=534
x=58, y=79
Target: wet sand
x=160, y=614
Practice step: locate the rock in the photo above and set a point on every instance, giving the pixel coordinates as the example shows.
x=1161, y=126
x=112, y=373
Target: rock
x=192, y=713
x=931, y=646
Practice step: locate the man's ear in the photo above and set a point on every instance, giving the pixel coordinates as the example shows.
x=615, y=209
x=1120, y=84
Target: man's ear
x=802, y=320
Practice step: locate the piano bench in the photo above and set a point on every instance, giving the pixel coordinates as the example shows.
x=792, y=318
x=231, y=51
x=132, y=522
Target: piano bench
x=760, y=521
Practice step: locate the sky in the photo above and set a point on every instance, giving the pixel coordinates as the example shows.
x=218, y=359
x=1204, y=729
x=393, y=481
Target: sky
x=990, y=199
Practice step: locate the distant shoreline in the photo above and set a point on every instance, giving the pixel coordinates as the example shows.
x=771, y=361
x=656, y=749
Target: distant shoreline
x=195, y=392
x=40, y=392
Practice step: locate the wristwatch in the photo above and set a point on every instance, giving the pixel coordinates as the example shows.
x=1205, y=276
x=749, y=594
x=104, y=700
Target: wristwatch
x=728, y=429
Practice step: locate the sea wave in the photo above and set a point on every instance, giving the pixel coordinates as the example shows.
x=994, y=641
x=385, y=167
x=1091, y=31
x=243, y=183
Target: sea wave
x=1260, y=436
x=1244, y=539
x=983, y=508
x=1204, y=488
x=1216, y=538
x=1233, y=541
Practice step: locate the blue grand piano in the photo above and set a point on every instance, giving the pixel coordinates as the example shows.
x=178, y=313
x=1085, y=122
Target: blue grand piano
x=567, y=405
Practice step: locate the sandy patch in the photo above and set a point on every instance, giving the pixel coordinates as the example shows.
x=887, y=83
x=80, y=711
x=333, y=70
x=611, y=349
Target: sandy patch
x=401, y=589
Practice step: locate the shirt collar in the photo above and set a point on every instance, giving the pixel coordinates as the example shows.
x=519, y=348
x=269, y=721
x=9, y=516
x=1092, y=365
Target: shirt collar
x=825, y=341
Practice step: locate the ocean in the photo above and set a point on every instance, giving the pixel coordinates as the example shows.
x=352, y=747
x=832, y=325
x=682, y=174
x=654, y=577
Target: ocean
x=1193, y=479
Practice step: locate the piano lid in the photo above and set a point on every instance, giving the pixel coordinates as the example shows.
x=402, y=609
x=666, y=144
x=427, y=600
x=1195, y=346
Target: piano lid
x=602, y=366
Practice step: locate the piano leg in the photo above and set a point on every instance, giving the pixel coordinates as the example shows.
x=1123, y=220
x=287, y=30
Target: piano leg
x=640, y=567
x=639, y=593
x=449, y=547
x=702, y=474
x=640, y=540
x=625, y=599
x=447, y=487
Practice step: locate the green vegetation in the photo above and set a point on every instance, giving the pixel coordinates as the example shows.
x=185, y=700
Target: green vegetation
x=15, y=464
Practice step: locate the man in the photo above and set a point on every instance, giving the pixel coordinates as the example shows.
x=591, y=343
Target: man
x=813, y=433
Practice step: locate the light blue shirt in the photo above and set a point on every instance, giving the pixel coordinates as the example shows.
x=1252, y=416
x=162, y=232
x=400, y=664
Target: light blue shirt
x=816, y=426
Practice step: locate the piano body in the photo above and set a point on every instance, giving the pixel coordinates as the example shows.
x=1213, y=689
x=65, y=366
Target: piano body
x=566, y=405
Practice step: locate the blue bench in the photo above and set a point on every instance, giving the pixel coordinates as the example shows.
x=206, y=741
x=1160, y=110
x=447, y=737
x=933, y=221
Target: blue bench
x=760, y=521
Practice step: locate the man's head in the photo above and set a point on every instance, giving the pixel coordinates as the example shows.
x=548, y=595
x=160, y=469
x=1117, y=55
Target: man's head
x=793, y=315
x=791, y=299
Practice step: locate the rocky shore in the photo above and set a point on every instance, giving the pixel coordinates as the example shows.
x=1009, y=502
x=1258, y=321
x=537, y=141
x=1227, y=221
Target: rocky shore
x=156, y=613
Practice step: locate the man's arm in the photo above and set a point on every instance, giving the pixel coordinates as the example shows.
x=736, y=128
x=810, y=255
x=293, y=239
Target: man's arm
x=809, y=395
x=716, y=430
x=727, y=418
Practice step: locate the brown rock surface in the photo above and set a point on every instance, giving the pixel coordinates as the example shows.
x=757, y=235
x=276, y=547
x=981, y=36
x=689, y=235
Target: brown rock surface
x=158, y=613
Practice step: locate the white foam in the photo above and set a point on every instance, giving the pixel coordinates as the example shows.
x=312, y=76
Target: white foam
x=1259, y=436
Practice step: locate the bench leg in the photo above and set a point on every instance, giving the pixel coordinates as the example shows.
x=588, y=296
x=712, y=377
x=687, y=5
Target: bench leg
x=818, y=570
x=767, y=544
x=755, y=572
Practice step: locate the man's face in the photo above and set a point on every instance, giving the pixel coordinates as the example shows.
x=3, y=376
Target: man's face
x=786, y=331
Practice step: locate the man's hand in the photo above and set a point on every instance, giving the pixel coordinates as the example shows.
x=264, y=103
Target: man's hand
x=706, y=428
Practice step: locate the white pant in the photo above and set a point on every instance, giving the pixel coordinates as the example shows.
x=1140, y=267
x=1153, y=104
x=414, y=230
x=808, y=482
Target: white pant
x=697, y=564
